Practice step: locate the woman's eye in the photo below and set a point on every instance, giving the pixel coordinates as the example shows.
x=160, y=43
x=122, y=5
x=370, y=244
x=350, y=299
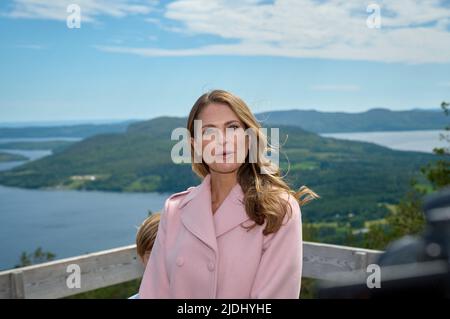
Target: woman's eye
x=208, y=131
x=234, y=127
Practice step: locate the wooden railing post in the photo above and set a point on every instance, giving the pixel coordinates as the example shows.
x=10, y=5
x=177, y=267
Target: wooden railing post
x=17, y=285
x=361, y=261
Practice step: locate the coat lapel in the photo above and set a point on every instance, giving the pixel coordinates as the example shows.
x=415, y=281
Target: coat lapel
x=232, y=211
x=196, y=213
x=197, y=217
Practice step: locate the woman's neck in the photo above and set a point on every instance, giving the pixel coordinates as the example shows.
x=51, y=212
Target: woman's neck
x=221, y=185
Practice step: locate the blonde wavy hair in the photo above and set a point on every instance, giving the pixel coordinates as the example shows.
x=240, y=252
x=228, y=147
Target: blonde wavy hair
x=263, y=192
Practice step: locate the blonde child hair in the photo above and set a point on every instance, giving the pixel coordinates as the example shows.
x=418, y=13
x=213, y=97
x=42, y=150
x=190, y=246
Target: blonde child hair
x=146, y=235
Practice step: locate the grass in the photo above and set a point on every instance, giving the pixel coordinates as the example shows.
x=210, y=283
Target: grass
x=127, y=289
x=305, y=165
x=380, y=221
x=119, y=291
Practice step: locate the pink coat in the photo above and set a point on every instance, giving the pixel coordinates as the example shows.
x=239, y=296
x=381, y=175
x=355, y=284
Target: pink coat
x=198, y=254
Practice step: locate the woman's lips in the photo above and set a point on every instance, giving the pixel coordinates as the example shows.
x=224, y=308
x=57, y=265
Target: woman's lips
x=225, y=154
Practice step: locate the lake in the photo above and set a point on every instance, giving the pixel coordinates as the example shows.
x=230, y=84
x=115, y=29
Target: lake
x=67, y=222
x=421, y=141
x=31, y=154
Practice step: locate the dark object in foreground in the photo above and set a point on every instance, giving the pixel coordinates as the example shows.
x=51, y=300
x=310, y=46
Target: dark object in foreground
x=410, y=267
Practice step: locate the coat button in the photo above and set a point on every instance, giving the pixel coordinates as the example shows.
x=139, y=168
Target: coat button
x=211, y=266
x=180, y=261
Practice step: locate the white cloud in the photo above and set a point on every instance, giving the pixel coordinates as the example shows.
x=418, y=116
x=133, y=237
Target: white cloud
x=412, y=31
x=57, y=9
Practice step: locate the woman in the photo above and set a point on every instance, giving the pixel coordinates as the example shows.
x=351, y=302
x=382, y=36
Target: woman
x=238, y=233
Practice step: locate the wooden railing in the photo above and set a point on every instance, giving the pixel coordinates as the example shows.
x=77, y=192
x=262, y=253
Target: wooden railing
x=110, y=267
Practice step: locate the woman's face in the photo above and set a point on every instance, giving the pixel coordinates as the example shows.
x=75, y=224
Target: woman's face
x=224, y=145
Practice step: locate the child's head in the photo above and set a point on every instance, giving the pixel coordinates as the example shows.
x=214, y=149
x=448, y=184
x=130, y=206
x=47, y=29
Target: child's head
x=146, y=236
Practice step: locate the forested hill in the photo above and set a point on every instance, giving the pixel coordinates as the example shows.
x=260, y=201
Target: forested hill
x=378, y=119
x=352, y=177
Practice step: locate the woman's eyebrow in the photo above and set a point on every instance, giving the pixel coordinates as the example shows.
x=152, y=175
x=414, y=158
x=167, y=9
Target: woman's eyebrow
x=226, y=123
x=233, y=121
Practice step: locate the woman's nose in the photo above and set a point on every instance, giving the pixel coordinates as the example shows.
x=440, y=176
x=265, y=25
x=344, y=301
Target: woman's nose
x=229, y=135
x=223, y=137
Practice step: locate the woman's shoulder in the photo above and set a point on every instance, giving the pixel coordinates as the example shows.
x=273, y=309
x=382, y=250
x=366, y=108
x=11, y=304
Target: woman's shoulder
x=292, y=203
x=287, y=197
x=170, y=212
x=176, y=198
x=291, y=222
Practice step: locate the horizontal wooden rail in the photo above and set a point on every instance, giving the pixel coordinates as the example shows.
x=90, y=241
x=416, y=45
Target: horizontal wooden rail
x=114, y=266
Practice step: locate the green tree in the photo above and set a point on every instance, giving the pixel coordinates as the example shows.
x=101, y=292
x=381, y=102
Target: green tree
x=439, y=173
x=37, y=257
x=408, y=217
x=310, y=232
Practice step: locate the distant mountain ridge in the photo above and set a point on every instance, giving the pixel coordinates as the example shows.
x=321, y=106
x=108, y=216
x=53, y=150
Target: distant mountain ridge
x=77, y=130
x=376, y=119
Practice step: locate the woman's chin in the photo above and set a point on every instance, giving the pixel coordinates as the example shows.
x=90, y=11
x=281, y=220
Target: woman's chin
x=224, y=168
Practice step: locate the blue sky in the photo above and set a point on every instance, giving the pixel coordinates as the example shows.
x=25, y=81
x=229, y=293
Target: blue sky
x=141, y=59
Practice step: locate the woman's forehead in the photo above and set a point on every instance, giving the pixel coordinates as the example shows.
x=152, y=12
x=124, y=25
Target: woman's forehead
x=217, y=114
